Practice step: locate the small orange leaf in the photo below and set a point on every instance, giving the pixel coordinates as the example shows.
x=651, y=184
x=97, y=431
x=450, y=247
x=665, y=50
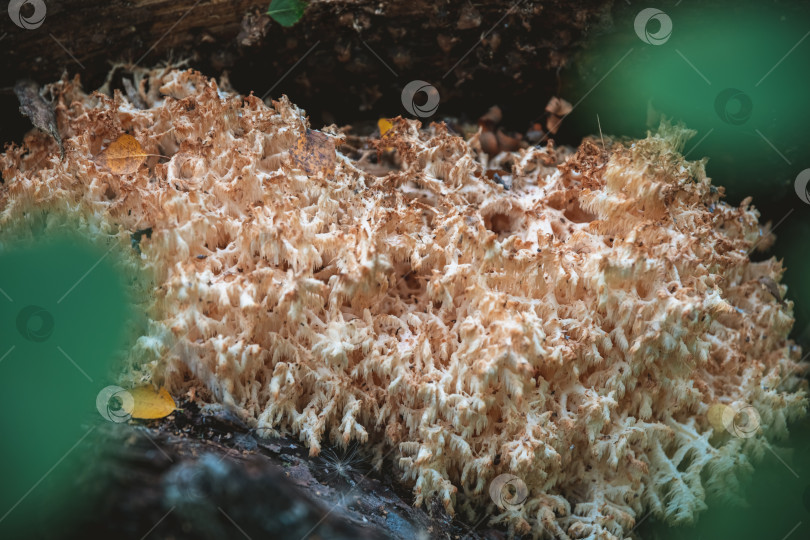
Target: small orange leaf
x=385, y=125
x=315, y=151
x=150, y=403
x=123, y=156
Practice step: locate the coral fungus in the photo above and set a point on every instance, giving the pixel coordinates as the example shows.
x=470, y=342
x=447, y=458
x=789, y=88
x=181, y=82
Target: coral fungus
x=571, y=322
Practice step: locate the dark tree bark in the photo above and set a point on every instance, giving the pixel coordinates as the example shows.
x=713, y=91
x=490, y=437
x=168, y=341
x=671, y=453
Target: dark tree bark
x=207, y=476
x=344, y=61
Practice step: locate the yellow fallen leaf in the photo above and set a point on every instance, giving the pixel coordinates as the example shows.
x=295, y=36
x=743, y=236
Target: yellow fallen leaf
x=385, y=125
x=150, y=403
x=123, y=156
x=715, y=416
x=315, y=151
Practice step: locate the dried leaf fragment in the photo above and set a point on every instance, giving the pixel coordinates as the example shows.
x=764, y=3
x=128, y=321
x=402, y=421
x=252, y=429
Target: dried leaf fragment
x=772, y=287
x=469, y=18
x=315, y=151
x=150, y=404
x=254, y=27
x=492, y=118
x=558, y=109
x=506, y=142
x=39, y=111
x=132, y=93
x=123, y=156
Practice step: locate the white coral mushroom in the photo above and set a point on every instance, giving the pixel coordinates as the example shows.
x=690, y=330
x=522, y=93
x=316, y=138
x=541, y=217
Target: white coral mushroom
x=572, y=331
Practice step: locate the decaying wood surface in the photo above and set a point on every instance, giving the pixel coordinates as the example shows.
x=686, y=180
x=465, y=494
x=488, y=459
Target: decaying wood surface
x=207, y=476
x=345, y=60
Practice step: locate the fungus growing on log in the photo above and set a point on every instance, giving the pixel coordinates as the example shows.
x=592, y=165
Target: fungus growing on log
x=574, y=330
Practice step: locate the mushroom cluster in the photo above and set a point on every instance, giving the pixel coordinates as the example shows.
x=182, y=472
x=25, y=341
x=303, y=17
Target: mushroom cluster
x=571, y=319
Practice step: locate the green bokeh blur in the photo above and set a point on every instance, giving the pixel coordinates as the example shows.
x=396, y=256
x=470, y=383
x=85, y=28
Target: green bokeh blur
x=56, y=357
x=734, y=72
x=777, y=497
x=760, y=49
x=757, y=141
